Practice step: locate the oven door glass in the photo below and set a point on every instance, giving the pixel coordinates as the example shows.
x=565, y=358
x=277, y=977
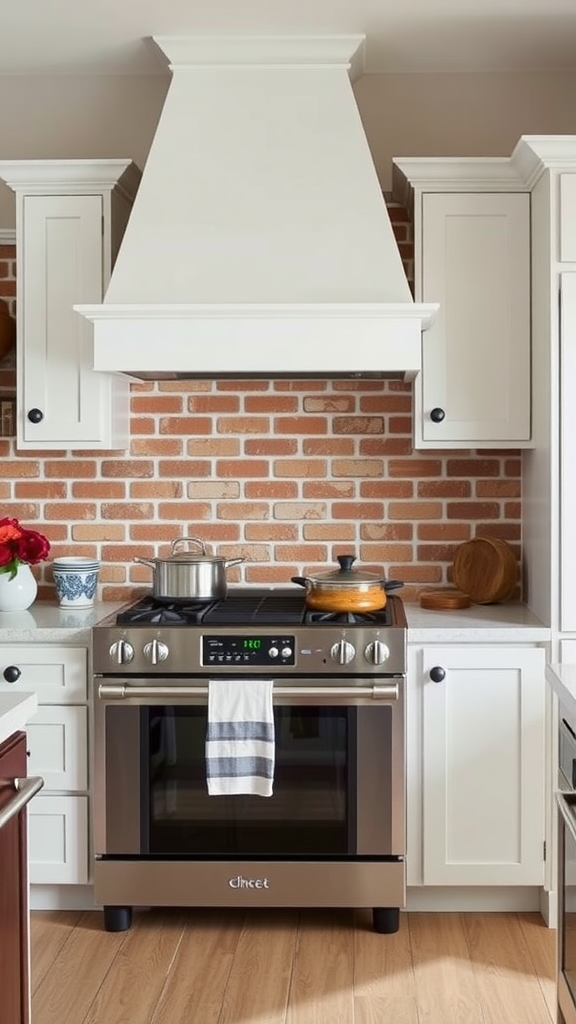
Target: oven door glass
x=567, y=921
x=313, y=809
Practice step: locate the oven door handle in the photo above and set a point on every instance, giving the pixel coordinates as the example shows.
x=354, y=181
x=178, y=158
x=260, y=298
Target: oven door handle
x=567, y=806
x=379, y=691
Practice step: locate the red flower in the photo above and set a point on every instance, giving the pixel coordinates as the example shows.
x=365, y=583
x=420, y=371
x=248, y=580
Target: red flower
x=20, y=546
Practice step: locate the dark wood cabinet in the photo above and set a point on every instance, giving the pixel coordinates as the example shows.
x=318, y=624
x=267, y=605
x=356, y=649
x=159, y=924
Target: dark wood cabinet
x=14, y=971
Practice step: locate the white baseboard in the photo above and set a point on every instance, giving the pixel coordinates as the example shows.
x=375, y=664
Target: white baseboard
x=62, y=897
x=478, y=898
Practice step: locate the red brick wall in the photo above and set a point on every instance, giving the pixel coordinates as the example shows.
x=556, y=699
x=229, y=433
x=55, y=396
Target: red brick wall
x=287, y=474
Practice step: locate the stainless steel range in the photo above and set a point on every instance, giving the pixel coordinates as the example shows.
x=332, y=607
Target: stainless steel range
x=333, y=831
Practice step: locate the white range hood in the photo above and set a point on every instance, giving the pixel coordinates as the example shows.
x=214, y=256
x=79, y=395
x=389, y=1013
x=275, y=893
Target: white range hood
x=259, y=243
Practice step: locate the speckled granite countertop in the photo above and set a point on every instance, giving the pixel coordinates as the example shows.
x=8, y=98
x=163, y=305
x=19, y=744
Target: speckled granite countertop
x=15, y=710
x=46, y=622
x=562, y=679
x=485, y=623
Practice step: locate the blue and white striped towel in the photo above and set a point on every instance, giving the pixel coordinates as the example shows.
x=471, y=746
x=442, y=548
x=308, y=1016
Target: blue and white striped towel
x=240, y=737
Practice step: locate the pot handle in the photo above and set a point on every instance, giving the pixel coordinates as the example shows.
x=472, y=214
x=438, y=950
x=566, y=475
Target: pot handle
x=300, y=580
x=233, y=561
x=188, y=540
x=392, y=585
x=146, y=561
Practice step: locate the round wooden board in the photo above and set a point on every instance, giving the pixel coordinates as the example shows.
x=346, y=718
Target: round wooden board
x=486, y=569
x=445, y=598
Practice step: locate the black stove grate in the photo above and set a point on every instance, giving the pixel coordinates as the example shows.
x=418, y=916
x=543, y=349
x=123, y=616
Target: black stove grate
x=244, y=607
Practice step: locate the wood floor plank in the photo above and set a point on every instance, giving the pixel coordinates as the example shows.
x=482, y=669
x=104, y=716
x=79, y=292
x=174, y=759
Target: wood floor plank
x=384, y=986
x=49, y=930
x=322, y=983
x=130, y=991
x=446, y=988
x=194, y=991
x=508, y=988
x=292, y=967
x=68, y=989
x=259, y=981
x=541, y=942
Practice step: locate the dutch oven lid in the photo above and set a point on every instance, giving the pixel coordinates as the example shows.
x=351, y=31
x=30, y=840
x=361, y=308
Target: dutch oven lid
x=346, y=575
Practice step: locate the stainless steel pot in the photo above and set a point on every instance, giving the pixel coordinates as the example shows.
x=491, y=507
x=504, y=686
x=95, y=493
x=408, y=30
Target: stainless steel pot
x=346, y=589
x=189, y=576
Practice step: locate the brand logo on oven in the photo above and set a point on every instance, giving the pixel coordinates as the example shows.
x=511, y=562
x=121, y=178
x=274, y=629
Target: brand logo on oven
x=239, y=882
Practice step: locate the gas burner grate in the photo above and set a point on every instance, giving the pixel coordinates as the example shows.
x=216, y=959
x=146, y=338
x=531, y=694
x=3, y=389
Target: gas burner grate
x=379, y=618
x=264, y=608
x=151, y=612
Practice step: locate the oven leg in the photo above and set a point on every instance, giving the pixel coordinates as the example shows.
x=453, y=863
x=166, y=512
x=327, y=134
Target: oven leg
x=117, y=919
x=386, y=919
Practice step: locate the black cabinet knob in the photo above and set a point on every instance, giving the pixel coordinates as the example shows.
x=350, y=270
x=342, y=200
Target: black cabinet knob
x=35, y=415
x=11, y=673
x=437, y=674
x=437, y=415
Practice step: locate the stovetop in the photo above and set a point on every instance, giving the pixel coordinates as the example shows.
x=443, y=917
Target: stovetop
x=242, y=607
x=251, y=631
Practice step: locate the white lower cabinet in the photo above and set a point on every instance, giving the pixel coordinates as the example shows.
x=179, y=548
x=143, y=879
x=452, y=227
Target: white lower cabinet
x=58, y=840
x=57, y=743
x=476, y=765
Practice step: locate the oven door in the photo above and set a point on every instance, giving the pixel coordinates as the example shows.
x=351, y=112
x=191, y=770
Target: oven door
x=339, y=778
x=567, y=906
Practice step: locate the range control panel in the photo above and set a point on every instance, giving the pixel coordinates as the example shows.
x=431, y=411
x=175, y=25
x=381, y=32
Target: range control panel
x=248, y=649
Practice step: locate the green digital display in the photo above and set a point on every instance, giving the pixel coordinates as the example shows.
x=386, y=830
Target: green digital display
x=252, y=643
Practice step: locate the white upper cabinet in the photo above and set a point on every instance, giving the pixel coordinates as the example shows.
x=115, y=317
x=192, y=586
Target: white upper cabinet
x=70, y=218
x=472, y=255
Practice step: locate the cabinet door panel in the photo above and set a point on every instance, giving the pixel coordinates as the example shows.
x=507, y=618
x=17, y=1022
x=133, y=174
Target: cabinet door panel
x=568, y=218
x=567, y=561
x=57, y=738
x=483, y=767
x=475, y=262
x=56, y=675
x=62, y=265
x=58, y=839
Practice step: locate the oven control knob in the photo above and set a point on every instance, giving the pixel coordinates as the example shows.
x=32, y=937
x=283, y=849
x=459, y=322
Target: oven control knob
x=286, y=652
x=121, y=652
x=377, y=653
x=273, y=652
x=342, y=652
x=156, y=651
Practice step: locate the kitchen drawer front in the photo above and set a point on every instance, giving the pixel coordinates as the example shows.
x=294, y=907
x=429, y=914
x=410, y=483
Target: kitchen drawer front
x=57, y=743
x=57, y=675
x=58, y=840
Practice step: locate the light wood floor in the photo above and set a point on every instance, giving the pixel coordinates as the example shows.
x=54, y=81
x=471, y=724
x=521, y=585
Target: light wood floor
x=291, y=967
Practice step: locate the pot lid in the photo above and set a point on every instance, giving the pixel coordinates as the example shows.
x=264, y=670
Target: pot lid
x=180, y=554
x=346, y=575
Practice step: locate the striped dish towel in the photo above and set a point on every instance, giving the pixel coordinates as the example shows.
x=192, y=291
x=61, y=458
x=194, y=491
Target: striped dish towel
x=240, y=737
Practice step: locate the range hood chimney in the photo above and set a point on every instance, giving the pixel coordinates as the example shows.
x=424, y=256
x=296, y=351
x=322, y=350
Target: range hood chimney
x=259, y=243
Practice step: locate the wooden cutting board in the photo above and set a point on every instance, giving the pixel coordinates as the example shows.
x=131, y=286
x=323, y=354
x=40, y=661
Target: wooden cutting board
x=486, y=569
x=444, y=598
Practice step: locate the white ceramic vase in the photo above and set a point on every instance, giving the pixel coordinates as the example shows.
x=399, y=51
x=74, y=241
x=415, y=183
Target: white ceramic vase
x=18, y=593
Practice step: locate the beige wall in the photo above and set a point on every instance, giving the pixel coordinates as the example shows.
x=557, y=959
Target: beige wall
x=461, y=115
x=404, y=115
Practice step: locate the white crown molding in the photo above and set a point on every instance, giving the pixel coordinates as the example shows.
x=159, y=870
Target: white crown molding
x=7, y=236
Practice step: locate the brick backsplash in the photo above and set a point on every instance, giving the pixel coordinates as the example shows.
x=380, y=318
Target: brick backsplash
x=287, y=474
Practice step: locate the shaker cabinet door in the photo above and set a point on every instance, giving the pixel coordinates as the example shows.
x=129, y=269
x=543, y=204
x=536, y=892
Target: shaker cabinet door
x=481, y=767
x=61, y=265
x=474, y=388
